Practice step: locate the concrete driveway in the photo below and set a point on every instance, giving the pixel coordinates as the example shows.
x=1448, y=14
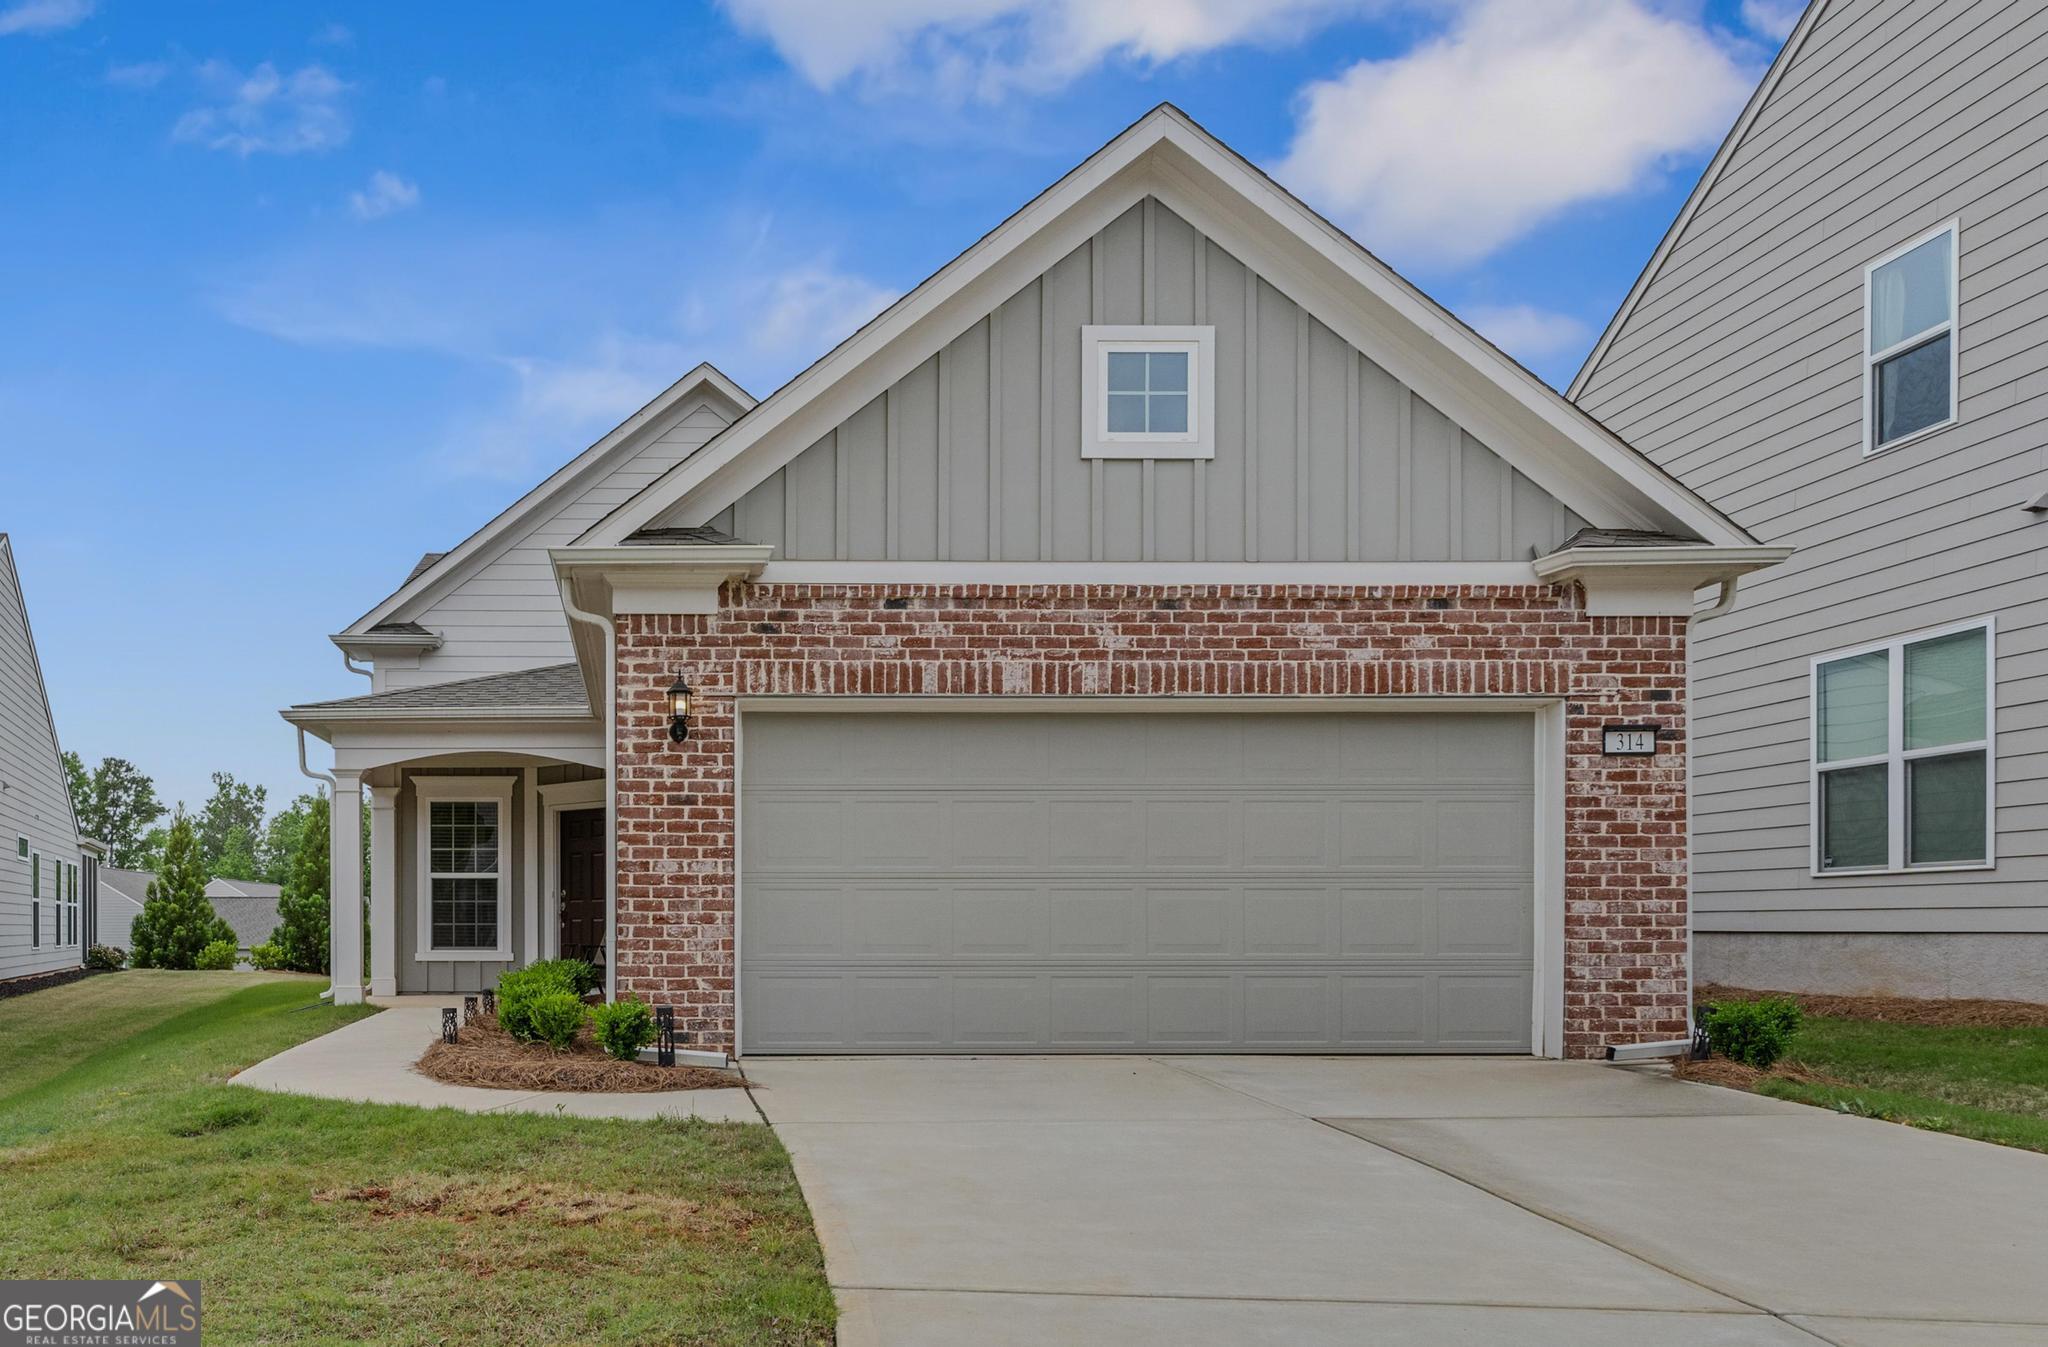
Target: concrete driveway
x=1219, y=1200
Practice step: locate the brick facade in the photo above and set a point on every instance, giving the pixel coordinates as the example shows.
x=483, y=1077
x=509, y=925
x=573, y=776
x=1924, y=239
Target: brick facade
x=1625, y=818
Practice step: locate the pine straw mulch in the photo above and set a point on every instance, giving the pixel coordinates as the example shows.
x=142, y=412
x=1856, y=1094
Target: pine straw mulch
x=1956, y=1014
x=1738, y=1076
x=484, y=1054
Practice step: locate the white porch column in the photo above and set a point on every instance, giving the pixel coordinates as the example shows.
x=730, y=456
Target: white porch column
x=383, y=890
x=345, y=888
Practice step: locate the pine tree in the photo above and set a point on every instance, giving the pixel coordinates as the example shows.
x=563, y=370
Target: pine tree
x=176, y=921
x=301, y=935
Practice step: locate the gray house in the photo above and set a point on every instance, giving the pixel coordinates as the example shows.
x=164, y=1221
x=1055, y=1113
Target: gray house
x=46, y=869
x=1841, y=343
x=248, y=905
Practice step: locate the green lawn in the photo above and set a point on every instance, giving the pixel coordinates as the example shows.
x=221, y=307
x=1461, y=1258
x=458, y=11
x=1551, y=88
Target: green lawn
x=1991, y=1084
x=123, y=1154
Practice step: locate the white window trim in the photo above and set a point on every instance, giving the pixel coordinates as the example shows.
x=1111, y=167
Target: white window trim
x=1097, y=341
x=427, y=790
x=1897, y=755
x=1872, y=359
x=554, y=801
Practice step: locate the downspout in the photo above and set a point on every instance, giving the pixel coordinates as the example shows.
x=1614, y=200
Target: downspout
x=1679, y=1047
x=609, y=635
x=328, y=777
x=348, y=662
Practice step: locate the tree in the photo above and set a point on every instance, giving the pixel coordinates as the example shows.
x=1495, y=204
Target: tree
x=301, y=935
x=281, y=835
x=176, y=921
x=230, y=825
x=118, y=805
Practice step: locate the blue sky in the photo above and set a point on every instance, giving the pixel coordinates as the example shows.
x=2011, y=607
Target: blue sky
x=294, y=293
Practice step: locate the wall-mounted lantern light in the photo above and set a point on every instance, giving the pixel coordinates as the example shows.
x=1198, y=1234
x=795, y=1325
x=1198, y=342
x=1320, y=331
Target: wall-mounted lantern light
x=679, y=710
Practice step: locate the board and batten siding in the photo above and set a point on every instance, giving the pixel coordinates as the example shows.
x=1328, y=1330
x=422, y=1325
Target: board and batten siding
x=1321, y=455
x=1740, y=371
x=507, y=615
x=34, y=799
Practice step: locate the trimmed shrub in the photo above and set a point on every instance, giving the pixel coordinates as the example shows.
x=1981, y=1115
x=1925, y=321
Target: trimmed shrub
x=217, y=957
x=105, y=958
x=582, y=976
x=555, y=1017
x=520, y=988
x=266, y=956
x=624, y=1027
x=1755, y=1033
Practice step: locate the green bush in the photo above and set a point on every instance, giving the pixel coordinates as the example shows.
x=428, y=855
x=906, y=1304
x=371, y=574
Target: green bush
x=582, y=976
x=1755, y=1033
x=556, y=1017
x=624, y=1027
x=105, y=958
x=520, y=988
x=266, y=956
x=217, y=957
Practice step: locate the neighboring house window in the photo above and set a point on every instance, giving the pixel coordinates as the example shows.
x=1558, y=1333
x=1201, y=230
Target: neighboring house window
x=1902, y=753
x=35, y=901
x=465, y=899
x=1909, y=368
x=70, y=904
x=21, y=847
x=1148, y=392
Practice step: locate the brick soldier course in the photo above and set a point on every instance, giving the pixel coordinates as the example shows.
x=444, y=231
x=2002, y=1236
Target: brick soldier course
x=1625, y=817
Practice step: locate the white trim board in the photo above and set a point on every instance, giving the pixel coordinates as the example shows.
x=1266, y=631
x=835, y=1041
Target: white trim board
x=1166, y=155
x=1151, y=573
x=555, y=800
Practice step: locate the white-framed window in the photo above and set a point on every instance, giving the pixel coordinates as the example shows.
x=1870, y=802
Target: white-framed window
x=70, y=904
x=1148, y=392
x=464, y=841
x=20, y=847
x=35, y=900
x=1903, y=754
x=1909, y=340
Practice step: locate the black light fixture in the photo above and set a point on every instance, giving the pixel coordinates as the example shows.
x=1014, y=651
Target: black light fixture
x=679, y=710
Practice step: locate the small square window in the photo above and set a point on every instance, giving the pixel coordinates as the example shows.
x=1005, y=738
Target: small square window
x=1148, y=392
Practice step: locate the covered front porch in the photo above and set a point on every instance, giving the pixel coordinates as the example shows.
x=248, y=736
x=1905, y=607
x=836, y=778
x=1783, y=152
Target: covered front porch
x=488, y=837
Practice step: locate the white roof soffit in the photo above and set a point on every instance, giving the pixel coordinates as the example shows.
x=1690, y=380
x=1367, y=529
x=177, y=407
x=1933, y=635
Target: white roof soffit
x=1712, y=174
x=458, y=562
x=1165, y=154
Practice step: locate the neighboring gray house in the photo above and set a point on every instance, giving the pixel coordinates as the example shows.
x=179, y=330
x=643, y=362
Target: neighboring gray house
x=248, y=905
x=46, y=869
x=1843, y=341
x=122, y=893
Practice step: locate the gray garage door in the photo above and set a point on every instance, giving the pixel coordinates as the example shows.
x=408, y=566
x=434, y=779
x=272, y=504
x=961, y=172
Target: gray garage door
x=948, y=882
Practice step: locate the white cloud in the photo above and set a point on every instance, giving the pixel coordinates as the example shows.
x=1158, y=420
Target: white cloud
x=139, y=74
x=984, y=48
x=334, y=35
x=1772, y=18
x=265, y=112
x=1527, y=332
x=1521, y=109
x=44, y=16
x=808, y=310
x=386, y=194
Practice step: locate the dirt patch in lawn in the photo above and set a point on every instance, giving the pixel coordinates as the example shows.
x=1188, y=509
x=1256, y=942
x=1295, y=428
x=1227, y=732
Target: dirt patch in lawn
x=485, y=1055
x=464, y=1201
x=1955, y=1014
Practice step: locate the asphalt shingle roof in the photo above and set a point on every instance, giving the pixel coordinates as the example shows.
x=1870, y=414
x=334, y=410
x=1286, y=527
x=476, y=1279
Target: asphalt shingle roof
x=1592, y=537
x=703, y=536
x=555, y=687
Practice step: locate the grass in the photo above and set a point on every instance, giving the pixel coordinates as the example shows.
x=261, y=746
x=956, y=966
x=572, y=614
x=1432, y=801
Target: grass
x=1989, y=1084
x=123, y=1153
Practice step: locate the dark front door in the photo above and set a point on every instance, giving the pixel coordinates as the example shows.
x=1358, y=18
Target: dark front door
x=583, y=884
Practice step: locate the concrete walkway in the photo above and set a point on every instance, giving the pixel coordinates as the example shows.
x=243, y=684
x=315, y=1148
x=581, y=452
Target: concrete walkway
x=1321, y=1200
x=371, y=1061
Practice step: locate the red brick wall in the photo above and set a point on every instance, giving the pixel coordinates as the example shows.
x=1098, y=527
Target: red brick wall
x=1625, y=835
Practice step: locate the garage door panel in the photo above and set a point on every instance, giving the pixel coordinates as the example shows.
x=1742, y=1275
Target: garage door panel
x=1159, y=882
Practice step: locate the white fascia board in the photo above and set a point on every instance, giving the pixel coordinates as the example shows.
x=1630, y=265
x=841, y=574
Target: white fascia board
x=1155, y=574
x=459, y=560
x=1652, y=581
x=1787, y=53
x=1523, y=420
x=373, y=641
x=311, y=717
x=657, y=579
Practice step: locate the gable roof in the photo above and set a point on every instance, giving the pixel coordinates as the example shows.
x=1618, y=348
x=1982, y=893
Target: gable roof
x=435, y=567
x=553, y=689
x=1708, y=178
x=1165, y=154
x=35, y=664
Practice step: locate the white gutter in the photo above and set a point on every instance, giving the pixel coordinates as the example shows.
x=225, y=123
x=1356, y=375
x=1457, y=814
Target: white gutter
x=611, y=784
x=328, y=777
x=348, y=662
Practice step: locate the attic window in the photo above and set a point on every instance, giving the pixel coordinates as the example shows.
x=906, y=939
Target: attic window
x=1148, y=392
